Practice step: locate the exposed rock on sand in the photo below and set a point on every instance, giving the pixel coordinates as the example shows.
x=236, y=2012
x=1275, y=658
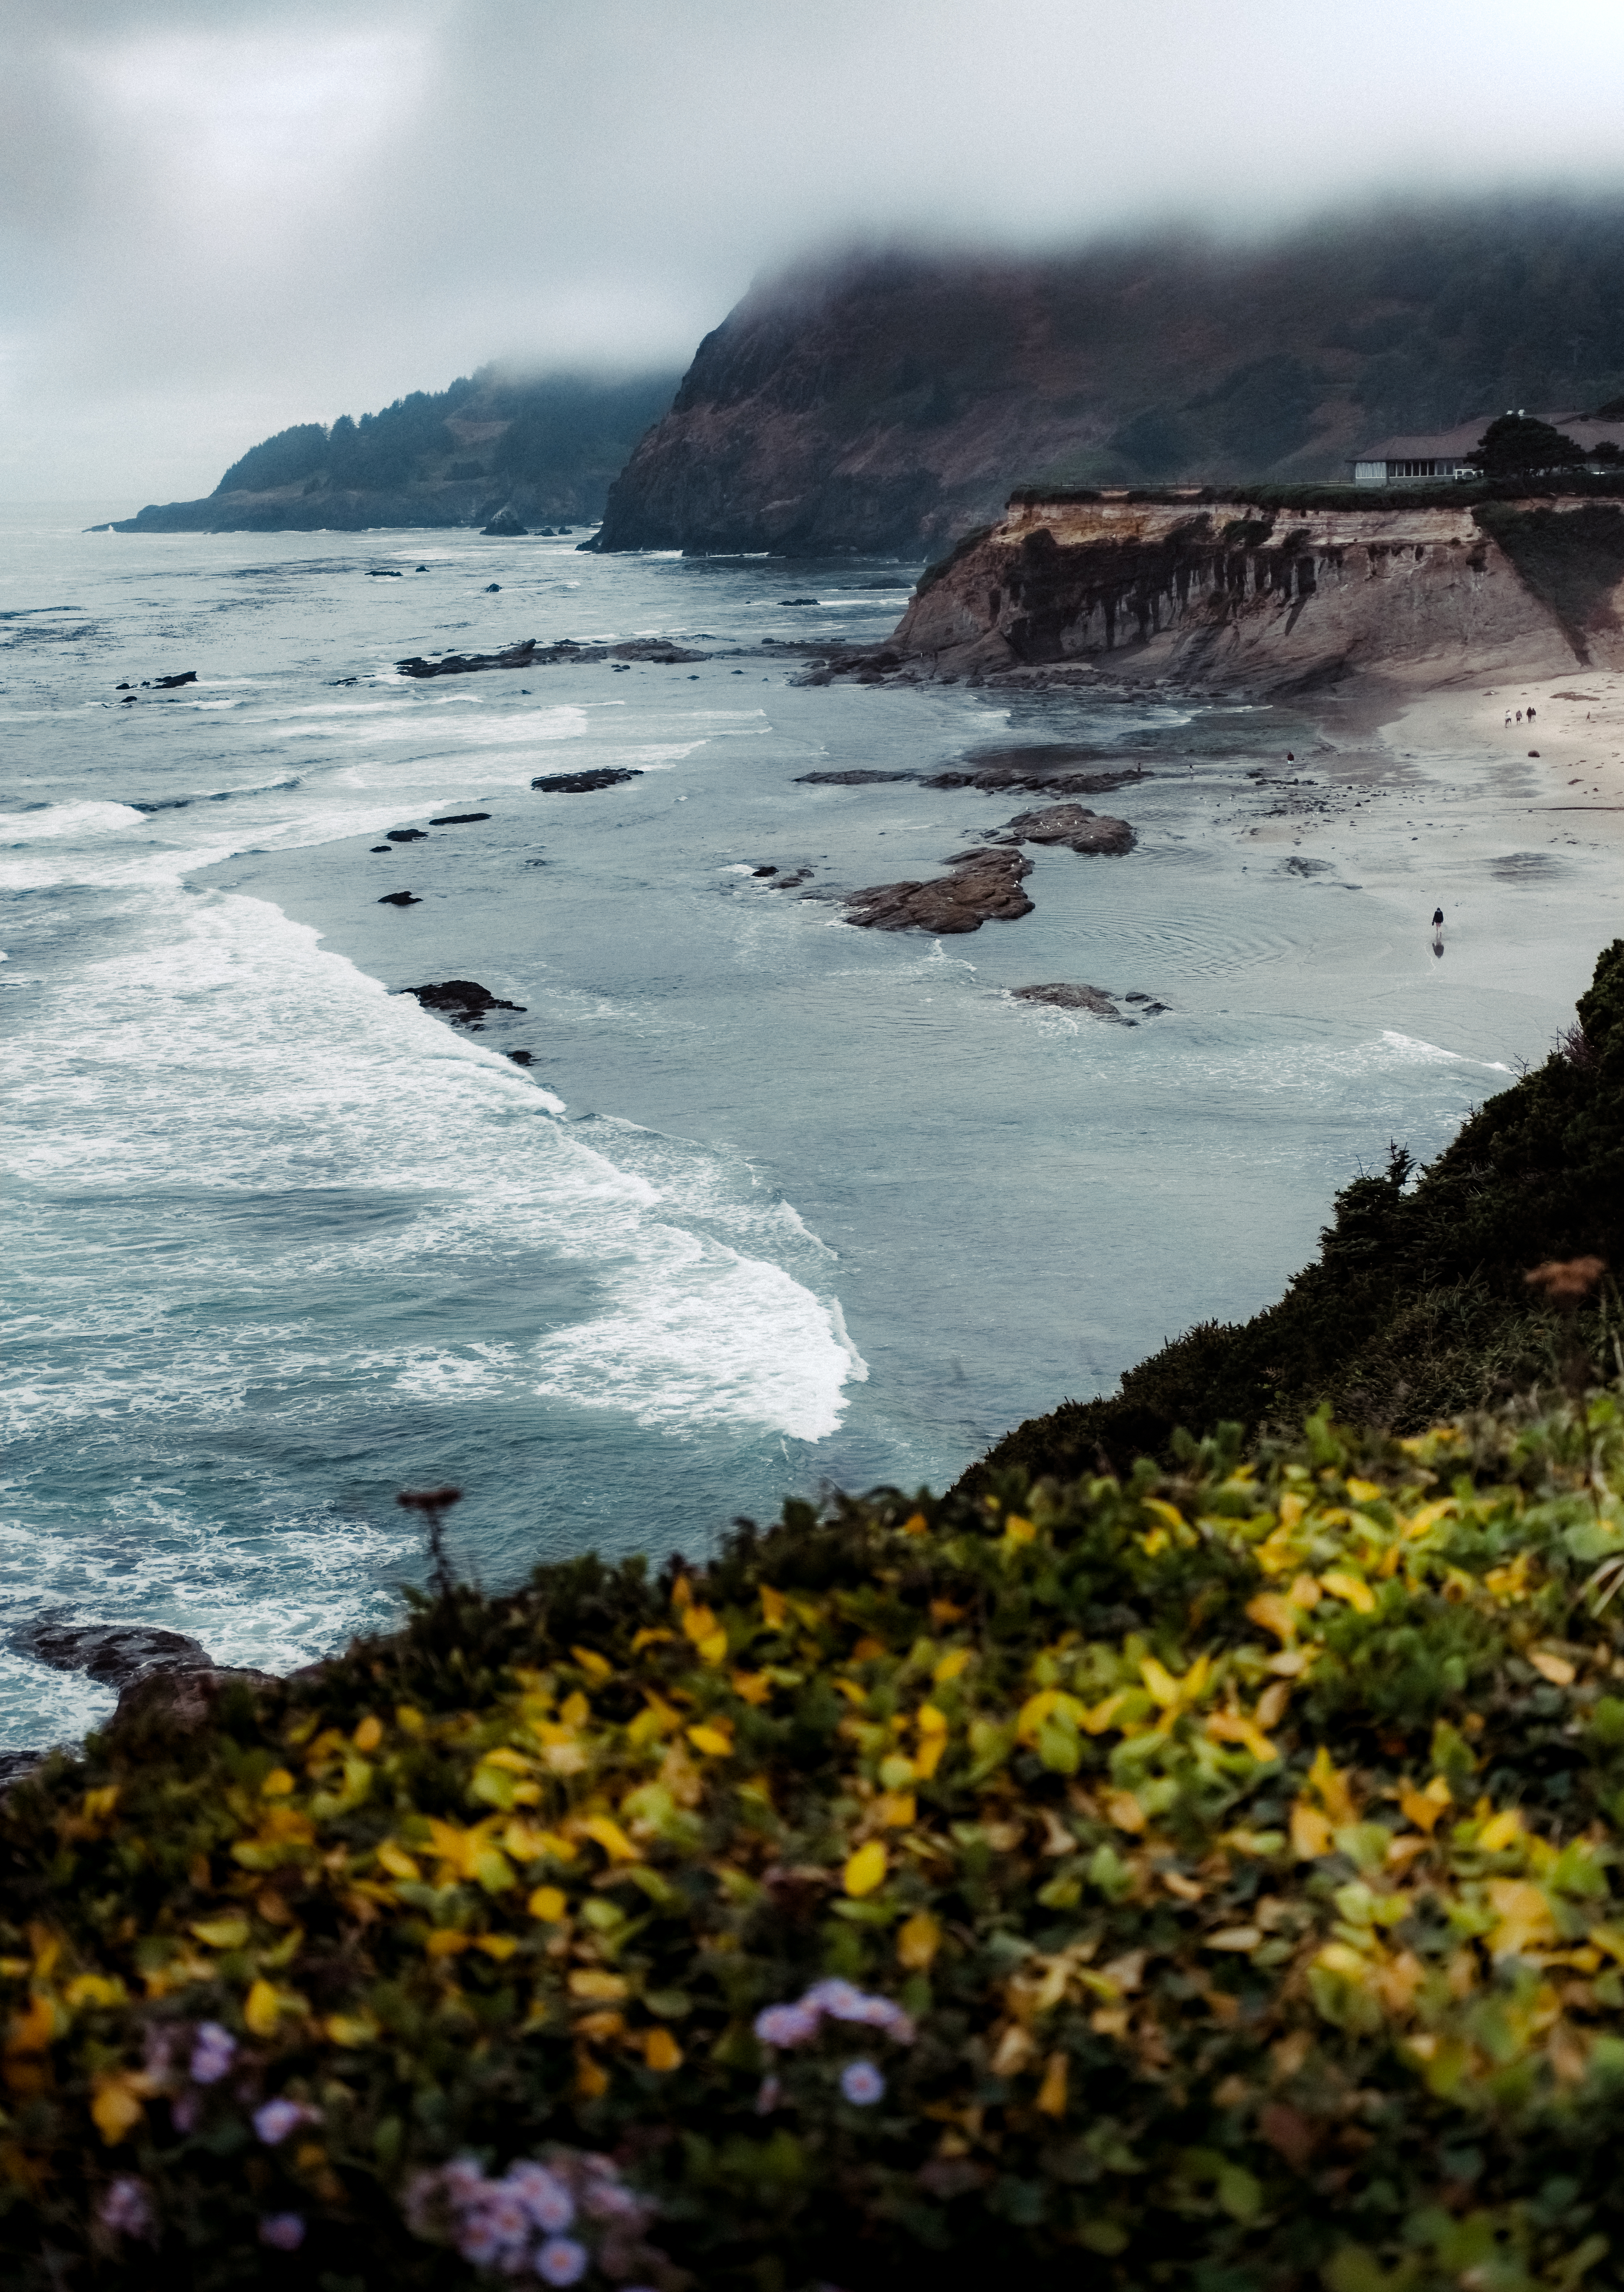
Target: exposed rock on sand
x=983, y=887
x=458, y=819
x=533, y=654
x=400, y=900
x=1075, y=825
x=461, y=1000
x=584, y=783
x=1065, y=997
x=849, y=780
x=1036, y=772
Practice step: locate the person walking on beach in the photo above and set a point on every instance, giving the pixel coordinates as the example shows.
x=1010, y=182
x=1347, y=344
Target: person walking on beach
x=1437, y=919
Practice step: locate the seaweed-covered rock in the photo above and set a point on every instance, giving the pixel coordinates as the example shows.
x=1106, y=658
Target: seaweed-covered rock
x=983, y=887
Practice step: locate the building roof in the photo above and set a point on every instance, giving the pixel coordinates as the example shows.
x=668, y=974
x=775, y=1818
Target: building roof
x=1450, y=444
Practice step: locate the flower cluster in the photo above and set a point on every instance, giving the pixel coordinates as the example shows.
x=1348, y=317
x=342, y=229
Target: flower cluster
x=551, y=2219
x=798, y=2023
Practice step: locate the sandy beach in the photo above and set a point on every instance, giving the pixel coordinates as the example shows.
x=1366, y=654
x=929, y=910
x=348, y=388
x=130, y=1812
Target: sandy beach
x=1575, y=739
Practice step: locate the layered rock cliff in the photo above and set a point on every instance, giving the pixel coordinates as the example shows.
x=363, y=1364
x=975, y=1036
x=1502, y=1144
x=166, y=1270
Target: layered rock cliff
x=1227, y=592
x=890, y=404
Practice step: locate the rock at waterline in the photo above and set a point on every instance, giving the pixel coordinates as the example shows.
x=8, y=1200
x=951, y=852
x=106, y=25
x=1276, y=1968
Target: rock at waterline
x=1073, y=824
x=798, y=600
x=983, y=887
x=522, y=1058
x=388, y=849
x=165, y=1701
x=460, y=999
x=112, y=1653
x=407, y=835
x=491, y=588
x=399, y=899
x=505, y=525
x=384, y=573
x=168, y=684
x=1067, y=998
x=861, y=779
x=584, y=783
x=457, y=818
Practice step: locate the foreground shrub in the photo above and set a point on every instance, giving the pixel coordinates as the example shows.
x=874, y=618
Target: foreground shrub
x=1210, y=1879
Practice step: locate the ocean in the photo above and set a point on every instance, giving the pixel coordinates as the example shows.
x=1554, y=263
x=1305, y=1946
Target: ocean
x=778, y=1204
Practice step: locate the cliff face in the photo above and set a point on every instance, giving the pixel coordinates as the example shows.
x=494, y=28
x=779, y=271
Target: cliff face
x=547, y=447
x=1224, y=593
x=892, y=405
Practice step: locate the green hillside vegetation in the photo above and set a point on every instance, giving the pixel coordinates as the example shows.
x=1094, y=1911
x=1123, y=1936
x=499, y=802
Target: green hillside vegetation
x=548, y=445
x=1207, y=1878
x=1419, y=1303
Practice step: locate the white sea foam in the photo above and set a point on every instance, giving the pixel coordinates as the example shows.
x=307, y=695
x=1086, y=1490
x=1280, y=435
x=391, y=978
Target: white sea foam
x=55, y=820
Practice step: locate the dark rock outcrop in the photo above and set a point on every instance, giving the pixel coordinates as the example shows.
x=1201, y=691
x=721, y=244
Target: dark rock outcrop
x=399, y=899
x=1074, y=825
x=983, y=887
x=165, y=1702
x=533, y=654
x=849, y=780
x=505, y=525
x=111, y=1653
x=458, y=819
x=1067, y=998
x=407, y=836
x=169, y=684
x=461, y=1000
x=584, y=783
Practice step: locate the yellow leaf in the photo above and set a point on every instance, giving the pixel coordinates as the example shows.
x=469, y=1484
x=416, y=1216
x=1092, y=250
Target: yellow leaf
x=714, y=1739
x=650, y=1636
x=1051, y=2093
x=1235, y=1727
x=369, y=1734
x=591, y=2078
x=1015, y=2050
x=775, y=1607
x=397, y=1861
x=753, y=1687
x=895, y=1810
x=1104, y=1715
x=408, y=1721
x=548, y=1903
x=611, y=1838
x=1234, y=1938
x=1556, y=1668
x=918, y=1941
x=1125, y=1811
x=94, y=1989
x=1332, y=1788
x=593, y=1663
x=591, y=1982
x=499, y=1946
x=1524, y=1915
x=575, y=1711
x=221, y=1933
x=1503, y=1831
x=263, y=2009
x=915, y=1525
x=866, y=1869
x=352, y=2030
x=1354, y=1589
x=1311, y=1833
x=1276, y=1614
x=446, y=1942
x=1168, y=1514
x=662, y=2052
x=1017, y=1530
x=1363, y=1491
x=957, y=1661
x=277, y=1784
x=32, y=2032
x=116, y=2104
x=1423, y=1808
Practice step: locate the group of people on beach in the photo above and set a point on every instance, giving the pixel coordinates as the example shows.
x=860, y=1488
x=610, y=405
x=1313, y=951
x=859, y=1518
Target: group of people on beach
x=1521, y=714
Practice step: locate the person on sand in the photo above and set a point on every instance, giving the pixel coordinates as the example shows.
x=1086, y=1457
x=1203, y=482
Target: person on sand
x=1531, y=715
x=1437, y=919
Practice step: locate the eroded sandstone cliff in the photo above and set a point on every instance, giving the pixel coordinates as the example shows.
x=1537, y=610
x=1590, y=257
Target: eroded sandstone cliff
x=1215, y=592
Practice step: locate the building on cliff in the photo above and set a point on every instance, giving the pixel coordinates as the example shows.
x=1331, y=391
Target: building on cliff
x=1442, y=453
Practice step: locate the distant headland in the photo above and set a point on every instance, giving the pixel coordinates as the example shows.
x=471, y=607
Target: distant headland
x=527, y=452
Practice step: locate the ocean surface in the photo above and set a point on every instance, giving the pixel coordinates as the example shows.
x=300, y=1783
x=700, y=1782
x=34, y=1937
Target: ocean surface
x=777, y=1202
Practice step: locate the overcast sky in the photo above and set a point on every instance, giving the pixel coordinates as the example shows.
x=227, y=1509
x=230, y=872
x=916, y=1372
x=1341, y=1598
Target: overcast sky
x=220, y=218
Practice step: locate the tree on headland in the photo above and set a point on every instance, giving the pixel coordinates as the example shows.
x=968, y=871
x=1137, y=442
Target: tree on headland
x=1517, y=445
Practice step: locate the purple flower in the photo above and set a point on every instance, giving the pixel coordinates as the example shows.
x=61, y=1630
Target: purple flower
x=606, y=2200
x=785, y=2025
x=283, y=2231
x=464, y=2179
x=767, y=2096
x=842, y=1999
x=478, y=2239
x=275, y=2120
x=861, y=2083
x=561, y=2261
x=544, y=2197
x=212, y=2053
x=880, y=2014
x=127, y=2206
x=508, y=2216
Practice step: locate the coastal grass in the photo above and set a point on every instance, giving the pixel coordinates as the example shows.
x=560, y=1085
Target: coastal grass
x=1420, y=1303
x=1204, y=1877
